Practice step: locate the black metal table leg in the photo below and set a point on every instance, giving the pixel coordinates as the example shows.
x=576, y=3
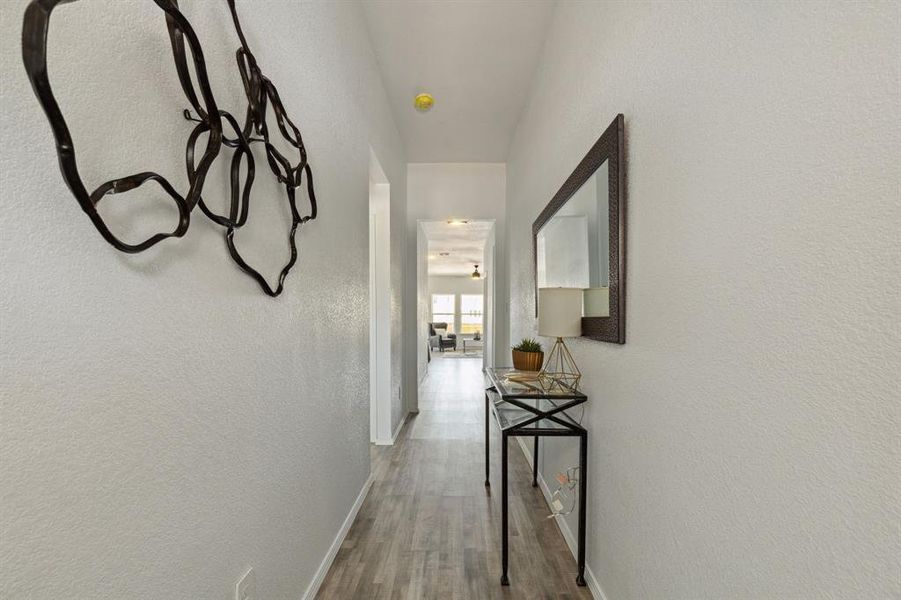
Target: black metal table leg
x=535, y=463
x=487, y=433
x=583, y=495
x=504, y=579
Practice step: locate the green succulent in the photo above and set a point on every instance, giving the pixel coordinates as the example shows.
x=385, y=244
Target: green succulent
x=528, y=345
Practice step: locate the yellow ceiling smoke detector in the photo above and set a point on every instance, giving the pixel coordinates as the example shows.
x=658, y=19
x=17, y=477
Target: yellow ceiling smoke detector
x=423, y=102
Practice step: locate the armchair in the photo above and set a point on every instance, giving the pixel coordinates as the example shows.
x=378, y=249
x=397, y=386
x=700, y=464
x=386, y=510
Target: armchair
x=439, y=339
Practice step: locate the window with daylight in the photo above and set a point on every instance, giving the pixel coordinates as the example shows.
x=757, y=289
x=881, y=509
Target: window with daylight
x=471, y=313
x=443, y=310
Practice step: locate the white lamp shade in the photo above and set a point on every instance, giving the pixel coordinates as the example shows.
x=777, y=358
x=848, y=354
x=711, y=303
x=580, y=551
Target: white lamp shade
x=597, y=302
x=560, y=312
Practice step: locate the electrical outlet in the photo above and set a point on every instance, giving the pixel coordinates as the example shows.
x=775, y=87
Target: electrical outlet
x=245, y=588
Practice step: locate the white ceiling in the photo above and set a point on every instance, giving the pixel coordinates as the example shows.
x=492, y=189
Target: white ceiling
x=476, y=57
x=464, y=243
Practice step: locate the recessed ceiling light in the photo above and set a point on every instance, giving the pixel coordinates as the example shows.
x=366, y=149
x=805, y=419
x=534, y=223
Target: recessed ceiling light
x=423, y=102
x=457, y=222
x=444, y=254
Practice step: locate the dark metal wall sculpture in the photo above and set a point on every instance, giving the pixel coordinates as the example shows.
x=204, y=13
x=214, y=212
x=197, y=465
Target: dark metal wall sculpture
x=222, y=130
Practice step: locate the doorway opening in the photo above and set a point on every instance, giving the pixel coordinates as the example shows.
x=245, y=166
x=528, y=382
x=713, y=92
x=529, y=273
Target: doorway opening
x=458, y=295
x=379, y=304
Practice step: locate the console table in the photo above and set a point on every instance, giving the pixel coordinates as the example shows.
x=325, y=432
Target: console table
x=523, y=405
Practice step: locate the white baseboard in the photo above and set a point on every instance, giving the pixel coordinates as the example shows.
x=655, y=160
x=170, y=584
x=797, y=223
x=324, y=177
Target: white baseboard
x=384, y=442
x=326, y=564
x=399, y=427
x=593, y=586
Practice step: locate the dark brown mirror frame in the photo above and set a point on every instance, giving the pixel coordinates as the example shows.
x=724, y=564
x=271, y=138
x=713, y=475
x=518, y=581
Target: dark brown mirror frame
x=609, y=147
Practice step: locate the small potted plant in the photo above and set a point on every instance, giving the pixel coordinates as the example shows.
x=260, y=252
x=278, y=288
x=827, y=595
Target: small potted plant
x=527, y=355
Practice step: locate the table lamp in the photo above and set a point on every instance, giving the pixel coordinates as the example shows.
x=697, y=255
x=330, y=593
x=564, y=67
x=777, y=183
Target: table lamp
x=560, y=316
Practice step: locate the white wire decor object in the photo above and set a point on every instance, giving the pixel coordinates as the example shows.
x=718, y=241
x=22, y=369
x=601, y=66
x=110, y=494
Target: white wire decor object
x=563, y=500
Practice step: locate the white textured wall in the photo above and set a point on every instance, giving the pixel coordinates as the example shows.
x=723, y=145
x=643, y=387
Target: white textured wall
x=437, y=191
x=403, y=386
x=490, y=353
x=454, y=284
x=164, y=424
x=423, y=304
x=745, y=441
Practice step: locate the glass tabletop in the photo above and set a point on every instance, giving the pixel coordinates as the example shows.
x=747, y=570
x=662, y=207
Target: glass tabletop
x=526, y=385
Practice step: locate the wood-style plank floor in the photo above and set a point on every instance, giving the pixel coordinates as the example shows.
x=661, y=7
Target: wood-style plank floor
x=429, y=528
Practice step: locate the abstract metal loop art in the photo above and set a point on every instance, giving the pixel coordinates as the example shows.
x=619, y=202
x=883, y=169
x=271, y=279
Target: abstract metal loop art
x=261, y=94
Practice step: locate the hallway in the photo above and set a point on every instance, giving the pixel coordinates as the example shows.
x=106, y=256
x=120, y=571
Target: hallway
x=429, y=529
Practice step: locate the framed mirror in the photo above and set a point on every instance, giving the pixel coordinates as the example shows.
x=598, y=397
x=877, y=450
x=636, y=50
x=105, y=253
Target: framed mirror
x=579, y=239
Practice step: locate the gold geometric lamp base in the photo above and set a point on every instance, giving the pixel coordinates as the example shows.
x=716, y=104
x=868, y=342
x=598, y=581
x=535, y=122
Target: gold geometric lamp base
x=560, y=373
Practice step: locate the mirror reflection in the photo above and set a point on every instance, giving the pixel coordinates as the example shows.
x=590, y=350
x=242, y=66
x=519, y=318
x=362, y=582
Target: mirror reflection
x=573, y=247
